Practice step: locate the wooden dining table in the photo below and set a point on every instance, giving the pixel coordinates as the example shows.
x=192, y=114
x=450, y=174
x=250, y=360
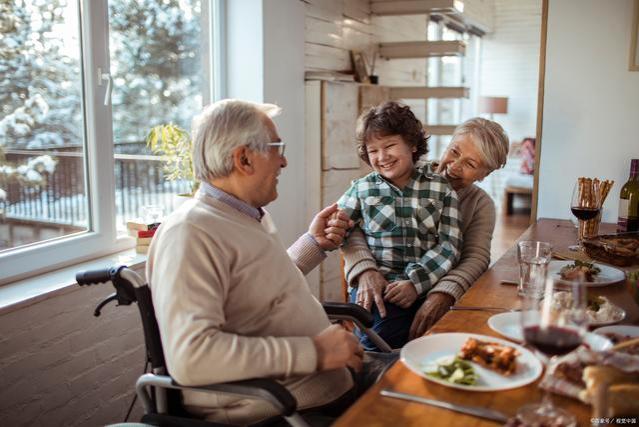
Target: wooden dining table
x=372, y=409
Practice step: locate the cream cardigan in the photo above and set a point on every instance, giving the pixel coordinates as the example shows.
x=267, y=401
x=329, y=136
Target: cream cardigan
x=232, y=305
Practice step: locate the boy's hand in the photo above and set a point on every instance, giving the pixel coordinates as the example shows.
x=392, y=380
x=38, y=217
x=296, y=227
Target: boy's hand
x=401, y=293
x=329, y=227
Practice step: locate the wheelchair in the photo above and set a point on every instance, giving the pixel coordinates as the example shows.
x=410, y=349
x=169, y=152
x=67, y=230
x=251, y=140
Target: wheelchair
x=161, y=395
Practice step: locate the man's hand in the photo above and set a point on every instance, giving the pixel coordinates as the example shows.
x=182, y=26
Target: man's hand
x=435, y=306
x=337, y=348
x=329, y=227
x=370, y=287
x=401, y=293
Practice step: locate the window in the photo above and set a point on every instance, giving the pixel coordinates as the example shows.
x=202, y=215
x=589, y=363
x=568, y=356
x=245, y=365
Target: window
x=74, y=113
x=451, y=71
x=42, y=141
x=156, y=65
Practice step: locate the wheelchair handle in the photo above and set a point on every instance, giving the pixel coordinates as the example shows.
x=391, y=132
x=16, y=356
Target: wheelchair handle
x=96, y=277
x=123, y=279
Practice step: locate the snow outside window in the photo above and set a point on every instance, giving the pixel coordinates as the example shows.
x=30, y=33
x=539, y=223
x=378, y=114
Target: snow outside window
x=81, y=84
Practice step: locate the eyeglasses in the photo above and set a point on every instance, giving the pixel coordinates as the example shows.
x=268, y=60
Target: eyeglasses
x=281, y=147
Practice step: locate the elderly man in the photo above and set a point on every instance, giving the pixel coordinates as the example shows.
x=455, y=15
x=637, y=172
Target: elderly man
x=231, y=303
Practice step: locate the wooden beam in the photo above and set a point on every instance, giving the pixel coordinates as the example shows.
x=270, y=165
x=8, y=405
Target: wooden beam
x=372, y=95
x=438, y=130
x=422, y=49
x=420, y=92
x=416, y=7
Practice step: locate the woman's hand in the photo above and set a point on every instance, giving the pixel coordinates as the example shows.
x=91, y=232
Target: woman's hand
x=370, y=287
x=435, y=306
x=401, y=293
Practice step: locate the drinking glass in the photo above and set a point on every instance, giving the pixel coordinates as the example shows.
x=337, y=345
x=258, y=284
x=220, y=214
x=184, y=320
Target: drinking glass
x=585, y=205
x=152, y=213
x=533, y=260
x=553, y=329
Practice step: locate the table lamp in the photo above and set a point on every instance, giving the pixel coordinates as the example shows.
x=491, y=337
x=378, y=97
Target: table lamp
x=493, y=105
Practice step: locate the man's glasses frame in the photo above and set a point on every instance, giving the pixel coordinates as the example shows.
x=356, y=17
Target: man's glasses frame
x=281, y=147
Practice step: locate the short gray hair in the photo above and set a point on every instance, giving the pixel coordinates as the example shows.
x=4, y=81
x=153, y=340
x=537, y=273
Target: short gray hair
x=223, y=126
x=489, y=137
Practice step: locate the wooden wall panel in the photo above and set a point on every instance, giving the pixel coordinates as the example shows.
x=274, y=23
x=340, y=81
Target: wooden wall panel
x=340, y=108
x=319, y=57
x=333, y=28
x=334, y=184
x=360, y=10
x=313, y=164
x=400, y=28
x=321, y=32
x=328, y=10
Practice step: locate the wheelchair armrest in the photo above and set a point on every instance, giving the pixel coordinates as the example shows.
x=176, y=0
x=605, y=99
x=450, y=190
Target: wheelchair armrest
x=265, y=389
x=361, y=317
x=348, y=311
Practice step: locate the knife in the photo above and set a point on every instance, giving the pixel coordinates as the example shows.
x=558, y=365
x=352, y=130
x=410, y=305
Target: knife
x=488, y=414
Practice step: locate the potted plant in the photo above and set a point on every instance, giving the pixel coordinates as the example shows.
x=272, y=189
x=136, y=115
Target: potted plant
x=174, y=144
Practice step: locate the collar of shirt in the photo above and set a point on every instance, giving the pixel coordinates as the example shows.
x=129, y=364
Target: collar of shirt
x=232, y=201
x=421, y=169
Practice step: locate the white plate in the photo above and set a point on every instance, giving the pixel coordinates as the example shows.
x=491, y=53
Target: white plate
x=615, y=314
x=508, y=325
x=424, y=352
x=625, y=330
x=607, y=276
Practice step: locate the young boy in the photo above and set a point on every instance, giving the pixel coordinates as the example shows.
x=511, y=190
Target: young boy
x=408, y=214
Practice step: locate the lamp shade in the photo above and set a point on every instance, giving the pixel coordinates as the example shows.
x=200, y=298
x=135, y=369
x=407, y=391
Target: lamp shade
x=493, y=104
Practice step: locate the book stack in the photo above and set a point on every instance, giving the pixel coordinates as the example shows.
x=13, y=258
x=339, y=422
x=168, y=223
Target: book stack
x=143, y=234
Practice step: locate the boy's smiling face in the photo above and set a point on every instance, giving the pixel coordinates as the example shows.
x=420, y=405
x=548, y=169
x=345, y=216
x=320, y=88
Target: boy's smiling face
x=391, y=157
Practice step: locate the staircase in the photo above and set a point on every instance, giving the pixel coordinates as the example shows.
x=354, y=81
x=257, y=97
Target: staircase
x=446, y=9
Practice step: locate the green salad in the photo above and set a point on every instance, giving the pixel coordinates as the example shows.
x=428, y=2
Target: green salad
x=455, y=371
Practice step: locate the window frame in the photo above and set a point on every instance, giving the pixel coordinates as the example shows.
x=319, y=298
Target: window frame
x=101, y=237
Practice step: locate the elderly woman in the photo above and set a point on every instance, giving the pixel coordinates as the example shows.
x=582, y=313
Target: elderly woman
x=478, y=147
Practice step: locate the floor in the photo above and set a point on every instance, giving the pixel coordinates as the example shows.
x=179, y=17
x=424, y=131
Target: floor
x=508, y=228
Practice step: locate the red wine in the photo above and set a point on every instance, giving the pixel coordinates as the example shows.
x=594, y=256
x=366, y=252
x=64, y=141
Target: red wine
x=552, y=340
x=585, y=213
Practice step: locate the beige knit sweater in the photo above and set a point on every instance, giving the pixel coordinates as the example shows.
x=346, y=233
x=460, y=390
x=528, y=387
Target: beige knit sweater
x=231, y=305
x=477, y=225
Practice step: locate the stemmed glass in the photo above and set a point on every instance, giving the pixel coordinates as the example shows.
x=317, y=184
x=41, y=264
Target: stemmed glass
x=553, y=328
x=585, y=205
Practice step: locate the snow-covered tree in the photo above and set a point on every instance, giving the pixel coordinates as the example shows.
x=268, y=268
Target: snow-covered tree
x=156, y=64
x=39, y=81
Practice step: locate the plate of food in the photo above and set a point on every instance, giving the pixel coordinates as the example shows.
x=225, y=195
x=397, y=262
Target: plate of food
x=509, y=325
x=600, y=310
x=471, y=362
x=593, y=274
x=620, y=334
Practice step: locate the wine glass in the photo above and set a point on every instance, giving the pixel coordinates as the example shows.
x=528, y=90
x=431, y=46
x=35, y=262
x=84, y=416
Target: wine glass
x=585, y=205
x=554, y=327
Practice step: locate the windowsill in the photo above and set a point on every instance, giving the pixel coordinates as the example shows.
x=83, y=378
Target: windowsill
x=23, y=293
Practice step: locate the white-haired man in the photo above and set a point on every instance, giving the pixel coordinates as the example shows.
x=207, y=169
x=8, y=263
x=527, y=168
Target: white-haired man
x=231, y=302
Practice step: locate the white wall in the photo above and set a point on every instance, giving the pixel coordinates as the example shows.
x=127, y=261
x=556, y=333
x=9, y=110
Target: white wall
x=510, y=64
x=591, y=105
x=265, y=63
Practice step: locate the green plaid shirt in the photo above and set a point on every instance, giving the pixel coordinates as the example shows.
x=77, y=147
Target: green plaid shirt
x=413, y=233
